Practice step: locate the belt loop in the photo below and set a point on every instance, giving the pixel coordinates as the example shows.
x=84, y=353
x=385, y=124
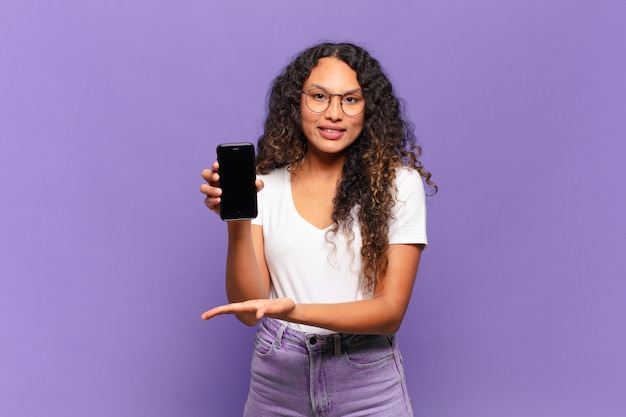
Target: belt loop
x=337, y=344
x=279, y=335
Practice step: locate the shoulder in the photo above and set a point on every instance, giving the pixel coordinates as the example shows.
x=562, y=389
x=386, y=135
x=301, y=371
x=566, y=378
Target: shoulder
x=274, y=182
x=408, y=180
x=404, y=171
x=276, y=176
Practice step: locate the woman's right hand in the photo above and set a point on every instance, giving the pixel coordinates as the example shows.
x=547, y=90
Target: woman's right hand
x=212, y=190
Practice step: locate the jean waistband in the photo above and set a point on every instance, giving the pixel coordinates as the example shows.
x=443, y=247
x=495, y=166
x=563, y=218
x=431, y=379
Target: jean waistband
x=336, y=342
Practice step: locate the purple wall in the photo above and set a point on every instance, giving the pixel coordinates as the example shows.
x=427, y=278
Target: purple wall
x=109, y=110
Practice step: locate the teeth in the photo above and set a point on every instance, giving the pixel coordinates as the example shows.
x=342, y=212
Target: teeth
x=332, y=130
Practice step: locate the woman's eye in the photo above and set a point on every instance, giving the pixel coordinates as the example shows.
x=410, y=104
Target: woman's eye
x=351, y=99
x=320, y=96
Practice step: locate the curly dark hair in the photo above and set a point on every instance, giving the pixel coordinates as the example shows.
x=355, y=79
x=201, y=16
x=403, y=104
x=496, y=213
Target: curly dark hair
x=386, y=142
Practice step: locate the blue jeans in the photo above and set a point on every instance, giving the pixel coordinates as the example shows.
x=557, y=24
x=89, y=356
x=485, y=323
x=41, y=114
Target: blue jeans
x=330, y=375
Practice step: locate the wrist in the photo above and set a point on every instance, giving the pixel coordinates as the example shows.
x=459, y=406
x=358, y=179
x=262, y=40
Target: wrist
x=238, y=227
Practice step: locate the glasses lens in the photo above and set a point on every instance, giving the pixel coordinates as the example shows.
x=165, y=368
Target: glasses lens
x=317, y=100
x=352, y=104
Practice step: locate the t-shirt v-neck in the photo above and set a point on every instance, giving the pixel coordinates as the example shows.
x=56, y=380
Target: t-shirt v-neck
x=289, y=190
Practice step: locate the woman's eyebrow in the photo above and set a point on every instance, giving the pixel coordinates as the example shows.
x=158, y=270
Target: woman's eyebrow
x=356, y=90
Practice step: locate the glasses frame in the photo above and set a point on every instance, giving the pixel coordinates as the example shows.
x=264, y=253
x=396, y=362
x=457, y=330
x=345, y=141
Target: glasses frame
x=330, y=99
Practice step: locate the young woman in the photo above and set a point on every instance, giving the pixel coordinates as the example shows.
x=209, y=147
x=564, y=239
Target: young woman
x=329, y=264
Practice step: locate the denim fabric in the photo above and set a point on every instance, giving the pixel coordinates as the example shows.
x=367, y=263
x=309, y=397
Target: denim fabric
x=329, y=375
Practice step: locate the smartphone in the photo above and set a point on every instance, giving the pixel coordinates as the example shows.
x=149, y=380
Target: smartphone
x=237, y=172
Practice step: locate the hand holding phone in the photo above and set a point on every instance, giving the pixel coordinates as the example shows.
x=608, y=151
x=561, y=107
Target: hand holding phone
x=237, y=171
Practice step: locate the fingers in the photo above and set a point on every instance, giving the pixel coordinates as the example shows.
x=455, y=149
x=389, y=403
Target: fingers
x=259, y=185
x=212, y=176
x=209, y=314
x=211, y=188
x=261, y=308
x=261, y=311
x=251, y=306
x=212, y=199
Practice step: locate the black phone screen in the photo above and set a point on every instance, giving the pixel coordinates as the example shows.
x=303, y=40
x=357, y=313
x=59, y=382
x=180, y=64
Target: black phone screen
x=237, y=174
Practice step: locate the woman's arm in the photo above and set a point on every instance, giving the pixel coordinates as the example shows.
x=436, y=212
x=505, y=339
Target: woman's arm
x=381, y=315
x=247, y=276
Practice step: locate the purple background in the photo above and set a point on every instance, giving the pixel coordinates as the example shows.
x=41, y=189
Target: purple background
x=109, y=111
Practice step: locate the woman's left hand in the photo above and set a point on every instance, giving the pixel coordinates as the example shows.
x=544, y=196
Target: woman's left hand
x=261, y=308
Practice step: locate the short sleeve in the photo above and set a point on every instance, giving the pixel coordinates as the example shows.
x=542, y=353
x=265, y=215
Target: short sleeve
x=409, y=223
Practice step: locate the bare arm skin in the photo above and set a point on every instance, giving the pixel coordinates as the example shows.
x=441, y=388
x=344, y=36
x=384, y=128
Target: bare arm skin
x=381, y=315
x=248, y=283
x=247, y=276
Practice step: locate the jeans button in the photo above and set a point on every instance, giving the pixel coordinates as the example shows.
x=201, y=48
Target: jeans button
x=312, y=340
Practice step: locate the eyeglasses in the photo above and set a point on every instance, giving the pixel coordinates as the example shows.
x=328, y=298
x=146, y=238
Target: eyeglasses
x=318, y=100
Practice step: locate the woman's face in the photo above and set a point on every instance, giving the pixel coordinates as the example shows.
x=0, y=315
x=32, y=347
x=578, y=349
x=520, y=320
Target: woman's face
x=331, y=131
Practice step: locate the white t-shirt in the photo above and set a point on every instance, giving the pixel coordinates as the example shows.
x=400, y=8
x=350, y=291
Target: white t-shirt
x=304, y=265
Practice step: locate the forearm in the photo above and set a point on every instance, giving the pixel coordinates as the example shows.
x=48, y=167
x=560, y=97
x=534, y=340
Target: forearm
x=244, y=278
x=382, y=314
x=375, y=316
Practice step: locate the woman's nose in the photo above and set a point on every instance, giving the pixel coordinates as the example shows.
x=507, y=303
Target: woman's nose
x=334, y=110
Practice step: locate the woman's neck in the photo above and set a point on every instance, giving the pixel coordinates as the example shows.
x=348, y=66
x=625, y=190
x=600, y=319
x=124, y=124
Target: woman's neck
x=325, y=168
